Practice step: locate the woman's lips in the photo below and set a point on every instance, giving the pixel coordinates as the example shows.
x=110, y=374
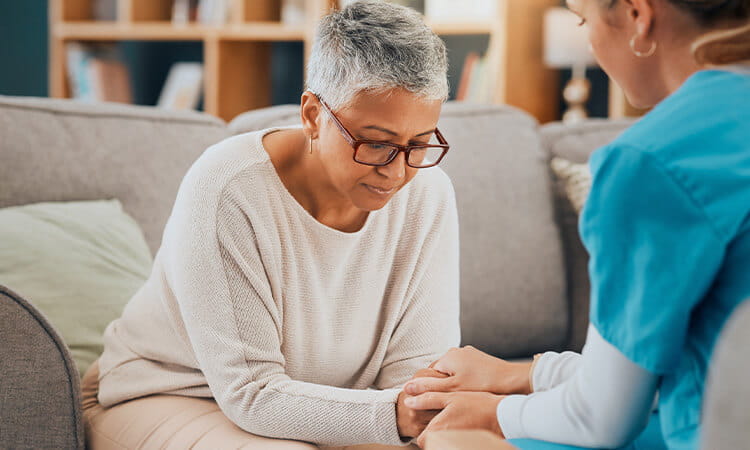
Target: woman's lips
x=379, y=190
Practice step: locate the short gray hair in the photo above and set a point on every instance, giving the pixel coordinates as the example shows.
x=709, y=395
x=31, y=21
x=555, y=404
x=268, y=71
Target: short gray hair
x=376, y=46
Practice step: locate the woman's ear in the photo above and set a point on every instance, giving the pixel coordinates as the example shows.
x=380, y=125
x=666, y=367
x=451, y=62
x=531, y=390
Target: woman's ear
x=310, y=114
x=640, y=15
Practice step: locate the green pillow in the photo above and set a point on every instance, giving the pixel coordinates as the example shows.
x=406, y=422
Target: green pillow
x=78, y=262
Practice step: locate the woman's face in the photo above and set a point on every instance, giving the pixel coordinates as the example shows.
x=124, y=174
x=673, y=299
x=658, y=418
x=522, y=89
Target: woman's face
x=610, y=30
x=397, y=116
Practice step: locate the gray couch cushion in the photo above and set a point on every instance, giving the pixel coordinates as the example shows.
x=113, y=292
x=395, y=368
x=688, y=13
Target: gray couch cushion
x=513, y=300
x=512, y=279
x=56, y=150
x=260, y=119
x=576, y=143
x=40, y=403
x=726, y=414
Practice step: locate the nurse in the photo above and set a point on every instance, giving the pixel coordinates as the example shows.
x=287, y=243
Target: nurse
x=667, y=226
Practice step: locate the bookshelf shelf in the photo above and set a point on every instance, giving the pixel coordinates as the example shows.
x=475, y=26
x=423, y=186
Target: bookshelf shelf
x=165, y=31
x=117, y=31
x=262, y=31
x=237, y=56
x=462, y=28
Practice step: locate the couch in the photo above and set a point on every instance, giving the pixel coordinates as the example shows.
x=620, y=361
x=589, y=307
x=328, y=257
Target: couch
x=524, y=285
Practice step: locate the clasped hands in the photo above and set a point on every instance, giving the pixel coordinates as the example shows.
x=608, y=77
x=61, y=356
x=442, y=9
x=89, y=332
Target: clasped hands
x=461, y=390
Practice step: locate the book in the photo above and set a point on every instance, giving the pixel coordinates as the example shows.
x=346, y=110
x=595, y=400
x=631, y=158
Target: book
x=481, y=88
x=183, y=87
x=293, y=12
x=110, y=81
x=184, y=12
x=470, y=63
x=105, y=10
x=78, y=58
x=97, y=73
x=475, y=85
x=213, y=12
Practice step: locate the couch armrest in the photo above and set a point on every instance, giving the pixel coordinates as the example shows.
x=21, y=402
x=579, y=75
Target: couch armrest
x=40, y=402
x=726, y=414
x=465, y=440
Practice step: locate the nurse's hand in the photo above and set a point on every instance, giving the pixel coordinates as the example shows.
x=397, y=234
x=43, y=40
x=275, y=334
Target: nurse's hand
x=460, y=411
x=469, y=369
x=412, y=422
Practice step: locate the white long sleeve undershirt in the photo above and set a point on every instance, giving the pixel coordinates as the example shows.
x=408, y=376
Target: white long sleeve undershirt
x=597, y=399
x=552, y=368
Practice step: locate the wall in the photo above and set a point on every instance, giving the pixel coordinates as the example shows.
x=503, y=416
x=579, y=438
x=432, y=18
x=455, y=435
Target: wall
x=23, y=47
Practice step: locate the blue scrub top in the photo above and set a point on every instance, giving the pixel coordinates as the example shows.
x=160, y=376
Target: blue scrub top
x=667, y=226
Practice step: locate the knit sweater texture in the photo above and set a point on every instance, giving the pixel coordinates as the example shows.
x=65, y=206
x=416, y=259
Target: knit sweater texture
x=297, y=330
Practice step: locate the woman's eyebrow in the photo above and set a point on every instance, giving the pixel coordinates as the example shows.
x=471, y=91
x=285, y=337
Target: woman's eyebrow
x=393, y=133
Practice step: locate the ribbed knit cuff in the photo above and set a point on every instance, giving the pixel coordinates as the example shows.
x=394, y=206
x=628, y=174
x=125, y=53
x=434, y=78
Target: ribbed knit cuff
x=509, y=416
x=385, y=425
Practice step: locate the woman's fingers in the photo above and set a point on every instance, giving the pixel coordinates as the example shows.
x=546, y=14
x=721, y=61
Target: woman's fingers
x=429, y=384
x=434, y=425
x=422, y=373
x=428, y=401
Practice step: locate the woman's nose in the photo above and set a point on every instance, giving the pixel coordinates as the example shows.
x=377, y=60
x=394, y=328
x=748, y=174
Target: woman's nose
x=395, y=169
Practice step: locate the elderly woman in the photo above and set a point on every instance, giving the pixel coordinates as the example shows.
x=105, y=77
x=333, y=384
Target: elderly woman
x=667, y=226
x=305, y=273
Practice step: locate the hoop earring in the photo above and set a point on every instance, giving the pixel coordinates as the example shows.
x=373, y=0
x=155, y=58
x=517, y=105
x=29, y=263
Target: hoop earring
x=640, y=54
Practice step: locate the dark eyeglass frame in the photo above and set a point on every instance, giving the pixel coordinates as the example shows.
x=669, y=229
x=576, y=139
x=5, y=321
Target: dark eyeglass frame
x=407, y=149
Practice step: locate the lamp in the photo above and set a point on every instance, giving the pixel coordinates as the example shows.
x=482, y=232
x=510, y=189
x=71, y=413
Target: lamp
x=566, y=45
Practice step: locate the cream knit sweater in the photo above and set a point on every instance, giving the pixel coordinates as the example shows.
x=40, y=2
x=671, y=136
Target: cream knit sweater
x=299, y=331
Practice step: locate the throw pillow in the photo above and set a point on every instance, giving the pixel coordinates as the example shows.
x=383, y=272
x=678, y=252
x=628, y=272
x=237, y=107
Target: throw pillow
x=77, y=262
x=575, y=179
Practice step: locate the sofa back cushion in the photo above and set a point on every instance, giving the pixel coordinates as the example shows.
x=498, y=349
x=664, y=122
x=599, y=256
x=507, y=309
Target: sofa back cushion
x=513, y=300
x=512, y=279
x=574, y=143
x=55, y=150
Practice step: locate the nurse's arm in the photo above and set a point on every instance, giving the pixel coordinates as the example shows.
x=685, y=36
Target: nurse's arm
x=552, y=369
x=605, y=403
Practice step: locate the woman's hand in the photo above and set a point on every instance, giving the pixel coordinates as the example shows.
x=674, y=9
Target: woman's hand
x=412, y=422
x=460, y=411
x=469, y=369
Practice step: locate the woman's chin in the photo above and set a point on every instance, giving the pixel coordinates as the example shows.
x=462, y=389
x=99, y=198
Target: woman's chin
x=642, y=103
x=369, y=199
x=371, y=205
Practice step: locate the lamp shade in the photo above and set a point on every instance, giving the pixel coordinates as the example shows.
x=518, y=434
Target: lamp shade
x=565, y=43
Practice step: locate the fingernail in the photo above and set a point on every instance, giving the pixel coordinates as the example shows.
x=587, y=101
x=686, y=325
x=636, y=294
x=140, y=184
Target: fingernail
x=410, y=402
x=410, y=389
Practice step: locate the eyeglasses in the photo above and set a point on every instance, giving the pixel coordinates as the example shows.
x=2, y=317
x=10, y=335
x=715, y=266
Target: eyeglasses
x=381, y=153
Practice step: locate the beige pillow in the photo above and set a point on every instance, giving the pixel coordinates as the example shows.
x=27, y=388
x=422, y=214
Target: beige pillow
x=78, y=262
x=576, y=180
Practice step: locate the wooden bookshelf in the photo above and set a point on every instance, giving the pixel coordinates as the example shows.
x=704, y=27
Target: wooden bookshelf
x=237, y=56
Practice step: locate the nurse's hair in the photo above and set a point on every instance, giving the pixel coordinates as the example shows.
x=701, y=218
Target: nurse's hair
x=724, y=42
x=376, y=46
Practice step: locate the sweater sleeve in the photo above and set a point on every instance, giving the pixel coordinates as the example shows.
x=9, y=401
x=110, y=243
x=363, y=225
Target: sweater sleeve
x=214, y=267
x=579, y=411
x=429, y=326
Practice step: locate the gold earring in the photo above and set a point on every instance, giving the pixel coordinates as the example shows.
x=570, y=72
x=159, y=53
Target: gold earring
x=641, y=54
x=311, y=145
